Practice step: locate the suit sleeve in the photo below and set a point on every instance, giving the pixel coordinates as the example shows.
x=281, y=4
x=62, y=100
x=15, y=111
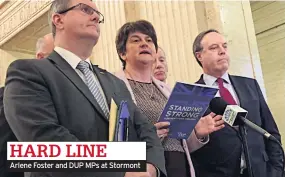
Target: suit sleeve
x=29, y=108
x=272, y=148
x=194, y=143
x=147, y=133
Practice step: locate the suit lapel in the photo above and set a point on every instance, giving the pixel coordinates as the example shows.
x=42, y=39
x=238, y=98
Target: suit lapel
x=108, y=89
x=69, y=72
x=237, y=88
x=161, y=88
x=201, y=81
x=236, y=84
x=208, y=111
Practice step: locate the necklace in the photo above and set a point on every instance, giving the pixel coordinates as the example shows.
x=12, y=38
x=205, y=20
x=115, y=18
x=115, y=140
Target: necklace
x=140, y=87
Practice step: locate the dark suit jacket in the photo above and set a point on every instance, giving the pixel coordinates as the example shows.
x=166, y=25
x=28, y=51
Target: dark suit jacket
x=6, y=135
x=221, y=157
x=46, y=100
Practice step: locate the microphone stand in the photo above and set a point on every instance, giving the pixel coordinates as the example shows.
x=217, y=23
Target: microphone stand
x=245, y=149
x=268, y=136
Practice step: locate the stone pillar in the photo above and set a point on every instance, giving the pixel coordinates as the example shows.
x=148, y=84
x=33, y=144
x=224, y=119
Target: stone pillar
x=15, y=16
x=234, y=20
x=269, y=22
x=176, y=26
x=6, y=58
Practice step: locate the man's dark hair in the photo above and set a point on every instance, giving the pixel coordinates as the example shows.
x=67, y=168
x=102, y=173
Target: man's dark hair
x=141, y=26
x=197, y=47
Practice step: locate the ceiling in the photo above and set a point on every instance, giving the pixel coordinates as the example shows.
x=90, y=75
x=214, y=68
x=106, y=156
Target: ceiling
x=25, y=41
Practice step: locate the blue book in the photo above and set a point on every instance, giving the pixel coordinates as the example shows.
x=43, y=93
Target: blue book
x=122, y=122
x=185, y=106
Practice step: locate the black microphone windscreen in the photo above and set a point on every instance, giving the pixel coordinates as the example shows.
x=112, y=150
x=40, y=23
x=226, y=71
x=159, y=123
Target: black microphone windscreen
x=218, y=105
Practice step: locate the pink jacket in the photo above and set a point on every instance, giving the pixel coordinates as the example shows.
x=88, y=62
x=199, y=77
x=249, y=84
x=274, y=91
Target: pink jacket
x=189, y=145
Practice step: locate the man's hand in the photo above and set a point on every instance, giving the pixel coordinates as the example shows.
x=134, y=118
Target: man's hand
x=151, y=172
x=209, y=124
x=137, y=174
x=162, y=129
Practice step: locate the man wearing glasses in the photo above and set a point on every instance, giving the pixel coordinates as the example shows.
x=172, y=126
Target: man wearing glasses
x=66, y=98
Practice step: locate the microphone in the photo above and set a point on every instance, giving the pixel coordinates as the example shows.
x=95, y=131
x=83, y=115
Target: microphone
x=235, y=115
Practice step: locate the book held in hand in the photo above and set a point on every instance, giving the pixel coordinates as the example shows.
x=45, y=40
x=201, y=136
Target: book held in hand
x=185, y=106
x=119, y=121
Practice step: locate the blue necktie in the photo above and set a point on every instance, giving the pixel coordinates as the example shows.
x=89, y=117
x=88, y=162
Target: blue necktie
x=93, y=86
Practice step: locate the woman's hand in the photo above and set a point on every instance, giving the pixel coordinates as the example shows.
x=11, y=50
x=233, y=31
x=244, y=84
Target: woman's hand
x=162, y=129
x=209, y=124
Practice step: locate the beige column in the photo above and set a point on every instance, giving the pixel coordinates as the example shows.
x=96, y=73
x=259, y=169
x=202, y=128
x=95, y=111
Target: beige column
x=6, y=57
x=178, y=22
x=15, y=34
x=176, y=26
x=269, y=21
x=234, y=20
x=264, y=61
x=104, y=53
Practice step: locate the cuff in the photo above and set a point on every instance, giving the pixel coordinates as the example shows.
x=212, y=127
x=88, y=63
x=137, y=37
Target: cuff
x=157, y=172
x=203, y=140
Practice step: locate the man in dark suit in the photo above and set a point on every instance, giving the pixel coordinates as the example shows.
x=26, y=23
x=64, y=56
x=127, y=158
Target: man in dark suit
x=6, y=135
x=66, y=98
x=44, y=47
x=223, y=155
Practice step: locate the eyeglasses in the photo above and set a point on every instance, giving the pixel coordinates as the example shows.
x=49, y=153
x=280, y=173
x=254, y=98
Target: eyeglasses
x=86, y=9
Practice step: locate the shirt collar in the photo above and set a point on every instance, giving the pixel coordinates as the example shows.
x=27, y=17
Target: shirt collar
x=70, y=57
x=210, y=80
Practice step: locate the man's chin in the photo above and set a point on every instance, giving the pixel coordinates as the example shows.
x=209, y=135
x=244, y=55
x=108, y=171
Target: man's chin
x=92, y=37
x=92, y=34
x=224, y=66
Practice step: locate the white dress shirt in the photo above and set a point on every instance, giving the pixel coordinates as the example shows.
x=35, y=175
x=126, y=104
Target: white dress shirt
x=212, y=81
x=73, y=60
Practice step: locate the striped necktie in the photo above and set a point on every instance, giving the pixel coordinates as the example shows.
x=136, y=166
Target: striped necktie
x=93, y=85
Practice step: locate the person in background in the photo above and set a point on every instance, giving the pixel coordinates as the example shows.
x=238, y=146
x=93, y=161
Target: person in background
x=160, y=68
x=6, y=135
x=136, y=44
x=44, y=46
x=64, y=97
x=223, y=155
